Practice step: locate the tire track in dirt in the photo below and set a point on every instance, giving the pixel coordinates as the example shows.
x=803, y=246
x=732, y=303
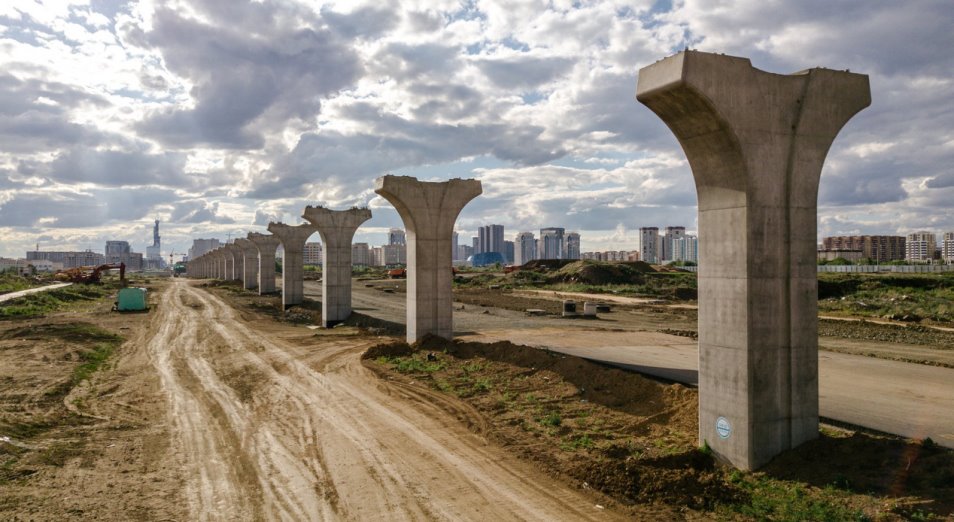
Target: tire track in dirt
x=204, y=454
x=328, y=440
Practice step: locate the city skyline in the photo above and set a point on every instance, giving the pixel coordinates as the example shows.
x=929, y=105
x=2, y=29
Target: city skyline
x=117, y=113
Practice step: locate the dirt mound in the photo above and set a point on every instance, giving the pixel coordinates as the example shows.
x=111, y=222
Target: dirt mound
x=598, y=273
x=545, y=264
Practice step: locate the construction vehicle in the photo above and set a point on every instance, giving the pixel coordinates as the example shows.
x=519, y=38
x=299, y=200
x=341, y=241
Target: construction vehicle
x=90, y=275
x=397, y=273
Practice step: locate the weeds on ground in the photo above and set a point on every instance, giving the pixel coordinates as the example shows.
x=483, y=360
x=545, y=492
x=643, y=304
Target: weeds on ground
x=42, y=303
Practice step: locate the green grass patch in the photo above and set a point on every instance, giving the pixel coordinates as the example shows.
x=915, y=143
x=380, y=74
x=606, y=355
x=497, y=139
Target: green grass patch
x=779, y=500
x=42, y=303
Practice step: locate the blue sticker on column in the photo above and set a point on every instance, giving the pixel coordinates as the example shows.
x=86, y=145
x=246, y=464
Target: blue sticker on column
x=723, y=427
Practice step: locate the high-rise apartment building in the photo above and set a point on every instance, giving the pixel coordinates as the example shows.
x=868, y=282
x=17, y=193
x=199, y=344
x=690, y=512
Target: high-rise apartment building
x=920, y=246
x=508, y=252
x=117, y=248
x=669, y=235
x=947, y=247
x=202, y=247
x=396, y=236
x=394, y=254
x=551, y=243
x=685, y=248
x=454, y=238
x=313, y=254
x=571, y=249
x=490, y=238
x=524, y=248
x=877, y=248
x=649, y=244
x=360, y=254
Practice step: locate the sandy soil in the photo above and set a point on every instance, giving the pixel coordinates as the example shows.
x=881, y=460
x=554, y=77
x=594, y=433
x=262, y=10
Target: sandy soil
x=275, y=423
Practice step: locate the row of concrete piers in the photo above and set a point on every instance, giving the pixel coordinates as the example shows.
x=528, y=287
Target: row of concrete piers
x=429, y=211
x=756, y=143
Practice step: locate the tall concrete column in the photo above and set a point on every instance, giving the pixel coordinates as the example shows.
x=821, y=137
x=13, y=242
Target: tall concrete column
x=218, y=263
x=756, y=143
x=293, y=241
x=429, y=211
x=214, y=263
x=337, y=228
x=234, y=262
x=265, y=245
x=249, y=254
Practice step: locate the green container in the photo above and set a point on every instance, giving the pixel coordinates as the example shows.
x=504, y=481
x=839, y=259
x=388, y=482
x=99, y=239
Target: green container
x=131, y=300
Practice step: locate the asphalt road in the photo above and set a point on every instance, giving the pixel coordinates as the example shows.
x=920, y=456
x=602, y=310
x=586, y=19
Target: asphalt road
x=912, y=400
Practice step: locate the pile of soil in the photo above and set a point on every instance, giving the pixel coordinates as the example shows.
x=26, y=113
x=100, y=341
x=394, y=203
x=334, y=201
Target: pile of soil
x=597, y=273
x=500, y=298
x=890, y=333
x=615, y=431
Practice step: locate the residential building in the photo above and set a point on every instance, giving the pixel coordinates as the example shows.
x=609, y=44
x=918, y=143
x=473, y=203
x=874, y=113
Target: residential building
x=203, y=246
x=524, y=248
x=313, y=254
x=87, y=258
x=475, y=245
x=571, y=248
x=464, y=252
x=377, y=256
x=612, y=256
x=508, y=252
x=117, y=248
x=360, y=254
x=649, y=244
x=880, y=249
x=454, y=238
x=947, y=247
x=685, y=248
x=490, y=238
x=850, y=255
x=551, y=243
x=396, y=236
x=920, y=246
x=394, y=254
x=670, y=235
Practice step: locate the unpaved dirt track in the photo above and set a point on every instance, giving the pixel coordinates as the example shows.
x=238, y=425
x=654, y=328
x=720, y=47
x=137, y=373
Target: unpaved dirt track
x=274, y=424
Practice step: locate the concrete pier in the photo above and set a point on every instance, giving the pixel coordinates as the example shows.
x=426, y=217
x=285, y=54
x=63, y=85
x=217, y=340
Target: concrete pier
x=293, y=240
x=234, y=262
x=337, y=228
x=429, y=211
x=265, y=245
x=756, y=143
x=249, y=255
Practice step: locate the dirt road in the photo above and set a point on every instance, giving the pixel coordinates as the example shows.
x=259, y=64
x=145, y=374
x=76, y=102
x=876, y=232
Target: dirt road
x=273, y=422
x=21, y=293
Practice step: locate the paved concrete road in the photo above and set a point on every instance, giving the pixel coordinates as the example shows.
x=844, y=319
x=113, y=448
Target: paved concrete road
x=21, y=293
x=912, y=400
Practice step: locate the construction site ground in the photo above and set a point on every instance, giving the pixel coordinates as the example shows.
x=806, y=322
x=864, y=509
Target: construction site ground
x=216, y=406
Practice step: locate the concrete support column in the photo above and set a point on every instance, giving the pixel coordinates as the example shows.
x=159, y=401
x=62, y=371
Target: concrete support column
x=249, y=254
x=293, y=241
x=429, y=211
x=234, y=262
x=337, y=228
x=756, y=143
x=218, y=264
x=265, y=245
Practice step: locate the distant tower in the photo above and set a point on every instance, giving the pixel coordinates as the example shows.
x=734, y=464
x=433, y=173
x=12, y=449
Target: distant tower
x=153, y=253
x=155, y=234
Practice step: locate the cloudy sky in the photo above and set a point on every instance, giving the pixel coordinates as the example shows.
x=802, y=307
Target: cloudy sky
x=217, y=116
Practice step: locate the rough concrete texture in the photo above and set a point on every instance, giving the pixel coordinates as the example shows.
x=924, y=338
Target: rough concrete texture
x=429, y=211
x=756, y=143
x=234, y=262
x=266, y=246
x=293, y=240
x=336, y=228
x=249, y=255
